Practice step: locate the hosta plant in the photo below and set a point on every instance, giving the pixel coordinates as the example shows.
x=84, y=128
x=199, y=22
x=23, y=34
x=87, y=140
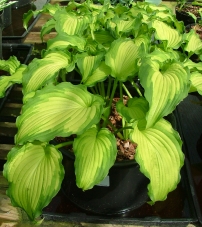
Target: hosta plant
x=114, y=50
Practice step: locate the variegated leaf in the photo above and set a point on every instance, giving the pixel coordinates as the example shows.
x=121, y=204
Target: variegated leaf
x=7, y=81
x=95, y=153
x=59, y=110
x=165, y=86
x=43, y=71
x=135, y=109
x=123, y=57
x=158, y=153
x=34, y=173
x=196, y=81
x=166, y=33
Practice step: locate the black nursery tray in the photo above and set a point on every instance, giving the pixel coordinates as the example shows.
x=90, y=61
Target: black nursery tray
x=189, y=116
x=177, y=210
x=23, y=53
x=15, y=33
x=7, y=114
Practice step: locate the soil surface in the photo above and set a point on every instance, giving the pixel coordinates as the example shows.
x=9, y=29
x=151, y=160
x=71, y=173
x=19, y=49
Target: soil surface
x=125, y=148
x=198, y=29
x=190, y=8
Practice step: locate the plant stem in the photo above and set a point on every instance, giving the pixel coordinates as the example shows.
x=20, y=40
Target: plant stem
x=124, y=128
x=99, y=88
x=96, y=89
x=121, y=91
x=103, y=89
x=137, y=88
x=111, y=100
x=126, y=90
x=118, y=133
x=93, y=90
x=113, y=92
x=109, y=87
x=64, y=144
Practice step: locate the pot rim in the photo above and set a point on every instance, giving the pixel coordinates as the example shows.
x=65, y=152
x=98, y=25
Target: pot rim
x=71, y=155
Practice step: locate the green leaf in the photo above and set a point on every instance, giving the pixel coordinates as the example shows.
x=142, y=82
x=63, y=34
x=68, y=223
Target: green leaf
x=135, y=109
x=47, y=8
x=43, y=71
x=95, y=153
x=60, y=110
x=70, y=23
x=100, y=74
x=92, y=68
x=7, y=81
x=47, y=27
x=126, y=26
x=193, y=65
x=162, y=56
x=62, y=41
x=10, y=65
x=193, y=16
x=104, y=37
x=196, y=81
x=122, y=58
x=158, y=153
x=87, y=64
x=35, y=173
x=166, y=33
x=165, y=85
x=193, y=42
x=28, y=16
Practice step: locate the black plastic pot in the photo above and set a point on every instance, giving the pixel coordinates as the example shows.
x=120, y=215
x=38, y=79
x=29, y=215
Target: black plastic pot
x=1, y=28
x=189, y=116
x=15, y=32
x=123, y=190
x=183, y=16
x=21, y=3
x=7, y=17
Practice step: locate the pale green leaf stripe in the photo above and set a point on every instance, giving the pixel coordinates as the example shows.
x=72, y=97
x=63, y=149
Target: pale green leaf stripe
x=160, y=157
x=92, y=69
x=196, y=80
x=100, y=74
x=10, y=65
x=47, y=27
x=59, y=110
x=7, y=81
x=125, y=26
x=193, y=65
x=34, y=172
x=122, y=57
x=163, y=90
x=87, y=64
x=43, y=71
x=64, y=41
x=95, y=153
x=165, y=33
x=103, y=37
x=194, y=43
x=70, y=23
x=162, y=56
x=135, y=109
